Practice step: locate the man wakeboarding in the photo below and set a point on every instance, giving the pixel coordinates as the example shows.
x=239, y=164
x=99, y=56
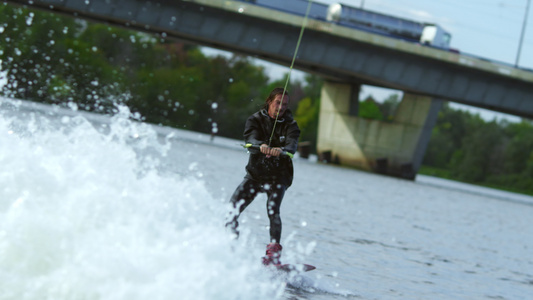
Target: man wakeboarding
x=271, y=135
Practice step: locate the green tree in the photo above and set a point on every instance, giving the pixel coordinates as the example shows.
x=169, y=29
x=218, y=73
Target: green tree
x=369, y=109
x=308, y=109
x=480, y=151
x=389, y=106
x=447, y=136
x=518, y=153
x=46, y=61
x=244, y=94
x=307, y=117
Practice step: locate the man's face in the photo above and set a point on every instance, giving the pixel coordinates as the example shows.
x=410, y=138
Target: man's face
x=278, y=105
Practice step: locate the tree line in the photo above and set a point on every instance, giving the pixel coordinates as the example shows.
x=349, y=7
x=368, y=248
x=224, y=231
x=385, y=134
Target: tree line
x=467, y=148
x=54, y=59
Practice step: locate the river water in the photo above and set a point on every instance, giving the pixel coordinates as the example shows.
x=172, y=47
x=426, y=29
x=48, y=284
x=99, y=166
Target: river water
x=98, y=207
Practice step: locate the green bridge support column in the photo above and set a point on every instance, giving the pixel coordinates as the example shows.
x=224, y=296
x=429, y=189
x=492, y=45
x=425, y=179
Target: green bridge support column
x=394, y=148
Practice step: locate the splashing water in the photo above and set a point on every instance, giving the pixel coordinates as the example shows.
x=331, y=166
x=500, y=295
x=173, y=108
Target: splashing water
x=84, y=214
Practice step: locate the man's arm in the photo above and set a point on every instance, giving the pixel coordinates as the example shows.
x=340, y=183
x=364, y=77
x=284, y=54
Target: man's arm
x=252, y=134
x=293, y=135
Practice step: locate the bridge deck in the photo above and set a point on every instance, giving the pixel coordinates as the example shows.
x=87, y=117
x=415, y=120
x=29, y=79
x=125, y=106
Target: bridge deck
x=335, y=52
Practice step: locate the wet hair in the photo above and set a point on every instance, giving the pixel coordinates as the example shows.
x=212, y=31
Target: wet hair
x=273, y=94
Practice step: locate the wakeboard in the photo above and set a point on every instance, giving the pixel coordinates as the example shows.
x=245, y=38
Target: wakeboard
x=295, y=267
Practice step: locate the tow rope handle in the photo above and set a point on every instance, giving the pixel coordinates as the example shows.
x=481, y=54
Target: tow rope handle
x=283, y=153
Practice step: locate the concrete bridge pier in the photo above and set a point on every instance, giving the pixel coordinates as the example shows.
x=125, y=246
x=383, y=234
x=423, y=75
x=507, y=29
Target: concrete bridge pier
x=393, y=148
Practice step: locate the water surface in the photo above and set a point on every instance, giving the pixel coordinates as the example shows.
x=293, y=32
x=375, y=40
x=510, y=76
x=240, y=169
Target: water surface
x=94, y=207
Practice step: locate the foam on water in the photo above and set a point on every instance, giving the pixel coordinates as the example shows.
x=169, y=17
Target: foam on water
x=302, y=283
x=83, y=215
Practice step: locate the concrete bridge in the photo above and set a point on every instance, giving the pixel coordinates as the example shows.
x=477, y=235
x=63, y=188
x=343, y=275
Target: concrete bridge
x=345, y=57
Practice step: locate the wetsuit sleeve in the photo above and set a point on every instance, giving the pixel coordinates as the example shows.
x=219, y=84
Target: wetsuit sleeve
x=293, y=134
x=253, y=133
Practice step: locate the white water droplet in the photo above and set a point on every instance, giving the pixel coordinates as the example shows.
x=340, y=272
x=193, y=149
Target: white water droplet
x=29, y=19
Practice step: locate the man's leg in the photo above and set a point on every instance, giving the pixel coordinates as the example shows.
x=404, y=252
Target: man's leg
x=275, y=196
x=244, y=194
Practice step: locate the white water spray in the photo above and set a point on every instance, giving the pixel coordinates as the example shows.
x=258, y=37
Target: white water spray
x=84, y=214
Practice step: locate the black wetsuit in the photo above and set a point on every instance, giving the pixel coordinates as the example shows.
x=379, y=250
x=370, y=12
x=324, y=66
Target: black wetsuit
x=270, y=175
